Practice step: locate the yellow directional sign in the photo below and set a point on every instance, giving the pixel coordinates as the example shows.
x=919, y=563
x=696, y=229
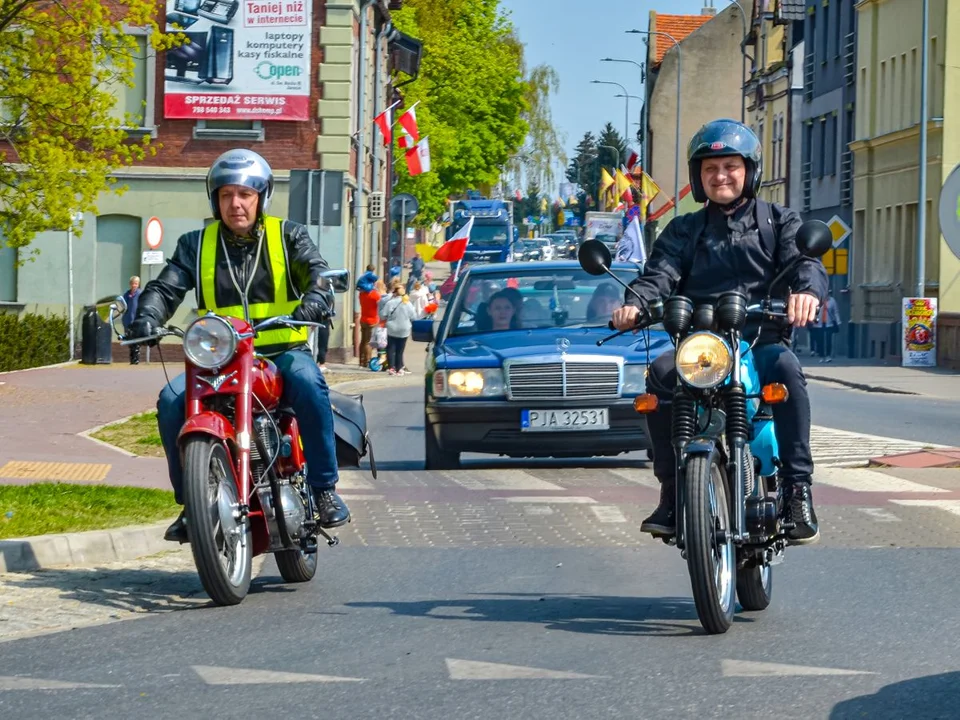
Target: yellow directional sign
x=835, y=261
x=839, y=229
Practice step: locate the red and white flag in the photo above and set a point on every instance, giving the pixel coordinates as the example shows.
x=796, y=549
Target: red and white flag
x=633, y=157
x=408, y=121
x=418, y=158
x=455, y=248
x=384, y=121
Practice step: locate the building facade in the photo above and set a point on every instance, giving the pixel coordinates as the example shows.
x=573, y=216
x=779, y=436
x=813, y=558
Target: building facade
x=828, y=115
x=711, y=86
x=171, y=185
x=886, y=167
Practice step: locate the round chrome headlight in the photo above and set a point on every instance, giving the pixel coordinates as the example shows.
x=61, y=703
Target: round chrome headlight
x=704, y=360
x=210, y=342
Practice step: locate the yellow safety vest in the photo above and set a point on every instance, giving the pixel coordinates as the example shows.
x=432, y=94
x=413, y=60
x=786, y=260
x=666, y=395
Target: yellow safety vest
x=273, y=340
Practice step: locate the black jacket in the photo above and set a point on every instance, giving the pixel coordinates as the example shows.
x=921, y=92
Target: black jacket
x=161, y=297
x=706, y=253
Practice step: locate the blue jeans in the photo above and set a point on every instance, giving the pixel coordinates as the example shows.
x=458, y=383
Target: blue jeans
x=304, y=389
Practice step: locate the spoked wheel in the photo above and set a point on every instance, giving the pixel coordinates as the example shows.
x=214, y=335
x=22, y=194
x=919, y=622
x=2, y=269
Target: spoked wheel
x=709, y=544
x=220, y=540
x=755, y=587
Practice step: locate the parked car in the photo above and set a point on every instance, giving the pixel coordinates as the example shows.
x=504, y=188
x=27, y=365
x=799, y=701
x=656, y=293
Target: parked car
x=513, y=367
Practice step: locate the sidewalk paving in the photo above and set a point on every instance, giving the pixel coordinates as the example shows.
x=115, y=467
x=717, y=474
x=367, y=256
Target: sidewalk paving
x=874, y=377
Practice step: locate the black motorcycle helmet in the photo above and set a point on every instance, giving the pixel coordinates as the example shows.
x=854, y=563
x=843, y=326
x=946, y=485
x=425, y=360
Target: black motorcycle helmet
x=721, y=138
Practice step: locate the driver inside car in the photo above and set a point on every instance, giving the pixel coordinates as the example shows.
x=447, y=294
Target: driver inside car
x=737, y=242
x=249, y=262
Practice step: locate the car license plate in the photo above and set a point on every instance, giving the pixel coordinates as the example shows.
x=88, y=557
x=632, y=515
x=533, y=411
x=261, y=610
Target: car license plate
x=564, y=420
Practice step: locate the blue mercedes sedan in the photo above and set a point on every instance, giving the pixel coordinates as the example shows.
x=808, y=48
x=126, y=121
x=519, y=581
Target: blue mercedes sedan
x=514, y=369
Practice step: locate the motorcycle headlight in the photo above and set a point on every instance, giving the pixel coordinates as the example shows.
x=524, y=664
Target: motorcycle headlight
x=704, y=360
x=485, y=382
x=634, y=379
x=210, y=342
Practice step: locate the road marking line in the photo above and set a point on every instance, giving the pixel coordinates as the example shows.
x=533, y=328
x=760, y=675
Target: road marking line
x=353, y=480
x=637, y=477
x=476, y=670
x=880, y=514
x=358, y=496
x=500, y=480
x=861, y=480
x=951, y=506
x=746, y=668
x=26, y=683
x=240, y=676
x=608, y=513
x=537, y=510
x=558, y=499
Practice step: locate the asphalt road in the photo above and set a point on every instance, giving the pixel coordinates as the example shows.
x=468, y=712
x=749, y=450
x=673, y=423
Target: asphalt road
x=524, y=591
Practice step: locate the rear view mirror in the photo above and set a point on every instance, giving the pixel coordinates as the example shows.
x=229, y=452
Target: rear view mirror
x=423, y=330
x=594, y=257
x=339, y=279
x=814, y=239
x=121, y=304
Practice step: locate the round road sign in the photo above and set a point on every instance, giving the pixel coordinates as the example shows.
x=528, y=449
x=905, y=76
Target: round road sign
x=950, y=211
x=153, y=233
x=405, y=206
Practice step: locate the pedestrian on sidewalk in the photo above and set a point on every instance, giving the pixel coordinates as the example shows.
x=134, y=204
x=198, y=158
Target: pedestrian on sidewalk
x=416, y=271
x=132, y=298
x=419, y=298
x=828, y=324
x=370, y=288
x=398, y=314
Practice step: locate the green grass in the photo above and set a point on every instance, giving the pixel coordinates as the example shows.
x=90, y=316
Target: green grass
x=138, y=435
x=45, y=508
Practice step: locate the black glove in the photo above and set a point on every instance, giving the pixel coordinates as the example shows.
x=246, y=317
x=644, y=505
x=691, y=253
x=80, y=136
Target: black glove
x=312, y=310
x=140, y=328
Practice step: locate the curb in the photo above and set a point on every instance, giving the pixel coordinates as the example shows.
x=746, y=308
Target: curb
x=42, y=367
x=379, y=383
x=84, y=548
x=858, y=386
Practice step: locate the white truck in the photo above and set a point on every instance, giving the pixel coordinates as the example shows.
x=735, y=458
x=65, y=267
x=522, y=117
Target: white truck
x=607, y=227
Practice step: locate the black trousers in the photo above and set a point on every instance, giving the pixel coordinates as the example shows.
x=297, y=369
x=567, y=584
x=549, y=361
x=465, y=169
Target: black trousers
x=323, y=341
x=775, y=364
x=395, y=348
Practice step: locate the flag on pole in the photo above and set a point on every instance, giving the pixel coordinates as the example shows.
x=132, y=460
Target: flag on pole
x=630, y=247
x=384, y=121
x=623, y=187
x=418, y=158
x=648, y=191
x=633, y=157
x=606, y=183
x=408, y=121
x=455, y=248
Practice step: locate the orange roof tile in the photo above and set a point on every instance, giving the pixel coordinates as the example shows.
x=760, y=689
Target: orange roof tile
x=677, y=25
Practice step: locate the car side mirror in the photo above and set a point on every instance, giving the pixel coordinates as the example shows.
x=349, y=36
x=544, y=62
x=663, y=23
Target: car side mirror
x=594, y=257
x=423, y=330
x=814, y=239
x=339, y=279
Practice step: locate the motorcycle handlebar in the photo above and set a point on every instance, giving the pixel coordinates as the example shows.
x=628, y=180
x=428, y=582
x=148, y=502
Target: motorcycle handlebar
x=161, y=333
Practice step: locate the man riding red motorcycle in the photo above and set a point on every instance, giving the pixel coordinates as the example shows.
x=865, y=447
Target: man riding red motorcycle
x=252, y=266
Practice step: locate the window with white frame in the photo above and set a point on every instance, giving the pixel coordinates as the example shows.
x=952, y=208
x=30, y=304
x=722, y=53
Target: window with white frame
x=136, y=105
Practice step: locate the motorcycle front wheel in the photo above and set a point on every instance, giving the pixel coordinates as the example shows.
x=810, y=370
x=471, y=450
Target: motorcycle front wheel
x=219, y=537
x=709, y=544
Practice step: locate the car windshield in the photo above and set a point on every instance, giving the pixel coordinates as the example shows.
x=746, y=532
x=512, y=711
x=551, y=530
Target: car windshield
x=536, y=299
x=488, y=235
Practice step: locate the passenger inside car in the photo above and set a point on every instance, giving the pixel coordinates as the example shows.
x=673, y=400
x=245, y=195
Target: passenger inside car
x=501, y=312
x=606, y=298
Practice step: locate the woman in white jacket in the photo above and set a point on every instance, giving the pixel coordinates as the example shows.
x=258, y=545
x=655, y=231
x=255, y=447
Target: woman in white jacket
x=419, y=298
x=398, y=313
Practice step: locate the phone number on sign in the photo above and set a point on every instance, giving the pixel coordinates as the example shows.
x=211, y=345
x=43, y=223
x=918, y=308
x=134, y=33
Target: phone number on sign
x=233, y=110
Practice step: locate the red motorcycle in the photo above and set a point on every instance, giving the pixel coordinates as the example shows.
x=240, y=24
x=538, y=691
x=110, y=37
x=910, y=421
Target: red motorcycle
x=244, y=481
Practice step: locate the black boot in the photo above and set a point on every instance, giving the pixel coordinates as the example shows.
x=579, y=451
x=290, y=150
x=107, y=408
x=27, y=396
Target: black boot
x=134, y=354
x=798, y=511
x=663, y=521
x=331, y=510
x=177, y=532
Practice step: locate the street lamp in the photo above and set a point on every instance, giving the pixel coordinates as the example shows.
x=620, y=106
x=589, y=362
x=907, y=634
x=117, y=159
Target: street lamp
x=626, y=110
x=743, y=68
x=643, y=107
x=676, y=150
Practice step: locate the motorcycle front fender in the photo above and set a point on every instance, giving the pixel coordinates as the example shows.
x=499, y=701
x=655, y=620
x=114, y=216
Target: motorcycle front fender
x=209, y=423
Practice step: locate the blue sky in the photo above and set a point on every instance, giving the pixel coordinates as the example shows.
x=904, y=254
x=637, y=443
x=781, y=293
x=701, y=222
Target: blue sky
x=572, y=36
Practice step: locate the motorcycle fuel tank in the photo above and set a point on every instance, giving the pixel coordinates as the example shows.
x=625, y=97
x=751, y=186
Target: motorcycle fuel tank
x=267, y=383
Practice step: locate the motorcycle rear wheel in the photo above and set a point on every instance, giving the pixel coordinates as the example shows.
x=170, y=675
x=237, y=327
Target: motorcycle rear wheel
x=220, y=540
x=755, y=587
x=711, y=563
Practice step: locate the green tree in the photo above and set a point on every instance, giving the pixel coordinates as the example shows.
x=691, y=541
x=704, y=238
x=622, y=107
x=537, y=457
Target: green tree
x=471, y=93
x=60, y=134
x=543, y=148
x=584, y=169
x=609, y=136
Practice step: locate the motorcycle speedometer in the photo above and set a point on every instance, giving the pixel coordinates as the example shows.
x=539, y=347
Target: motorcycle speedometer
x=704, y=360
x=209, y=342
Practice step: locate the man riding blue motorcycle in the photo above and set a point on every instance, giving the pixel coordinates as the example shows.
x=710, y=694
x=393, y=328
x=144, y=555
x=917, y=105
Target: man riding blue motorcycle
x=736, y=243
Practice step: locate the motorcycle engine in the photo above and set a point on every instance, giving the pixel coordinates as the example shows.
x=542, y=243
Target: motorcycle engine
x=293, y=510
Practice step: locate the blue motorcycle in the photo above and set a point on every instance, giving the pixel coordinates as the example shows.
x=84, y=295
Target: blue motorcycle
x=729, y=505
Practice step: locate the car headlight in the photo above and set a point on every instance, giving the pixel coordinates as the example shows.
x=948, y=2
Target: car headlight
x=210, y=342
x=704, y=360
x=634, y=379
x=485, y=382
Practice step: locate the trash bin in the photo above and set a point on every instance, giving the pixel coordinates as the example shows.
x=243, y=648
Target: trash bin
x=95, y=339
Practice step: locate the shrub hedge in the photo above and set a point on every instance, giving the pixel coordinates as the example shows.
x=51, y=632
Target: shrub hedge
x=32, y=340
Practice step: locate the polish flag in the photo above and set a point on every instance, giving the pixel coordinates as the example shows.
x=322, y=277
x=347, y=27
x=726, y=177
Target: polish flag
x=408, y=121
x=455, y=248
x=384, y=122
x=418, y=158
x=633, y=157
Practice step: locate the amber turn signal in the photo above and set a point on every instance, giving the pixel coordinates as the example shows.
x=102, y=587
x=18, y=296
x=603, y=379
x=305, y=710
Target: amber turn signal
x=774, y=393
x=645, y=403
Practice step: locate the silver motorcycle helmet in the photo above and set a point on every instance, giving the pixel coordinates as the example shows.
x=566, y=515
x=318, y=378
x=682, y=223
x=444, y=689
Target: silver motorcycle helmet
x=240, y=167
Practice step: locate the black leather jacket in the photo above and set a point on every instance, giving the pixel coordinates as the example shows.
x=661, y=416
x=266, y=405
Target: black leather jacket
x=161, y=297
x=703, y=254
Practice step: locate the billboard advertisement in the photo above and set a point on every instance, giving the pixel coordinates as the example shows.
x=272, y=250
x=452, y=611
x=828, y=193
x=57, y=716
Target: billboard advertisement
x=243, y=60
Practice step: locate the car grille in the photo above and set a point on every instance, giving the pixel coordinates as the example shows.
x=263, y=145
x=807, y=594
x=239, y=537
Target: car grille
x=563, y=378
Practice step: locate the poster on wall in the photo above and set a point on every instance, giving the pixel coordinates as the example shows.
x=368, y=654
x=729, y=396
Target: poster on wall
x=919, y=332
x=244, y=60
